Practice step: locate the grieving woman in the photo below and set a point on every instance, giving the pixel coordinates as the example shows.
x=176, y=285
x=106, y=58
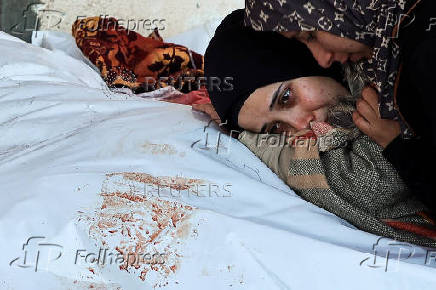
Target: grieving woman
x=279, y=90
x=391, y=44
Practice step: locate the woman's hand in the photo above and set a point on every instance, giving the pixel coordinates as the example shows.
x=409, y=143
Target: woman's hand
x=367, y=119
x=208, y=109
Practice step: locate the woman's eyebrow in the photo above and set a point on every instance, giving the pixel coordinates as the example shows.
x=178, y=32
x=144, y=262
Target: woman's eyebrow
x=274, y=97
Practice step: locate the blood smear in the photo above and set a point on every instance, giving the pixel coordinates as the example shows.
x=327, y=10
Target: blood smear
x=128, y=223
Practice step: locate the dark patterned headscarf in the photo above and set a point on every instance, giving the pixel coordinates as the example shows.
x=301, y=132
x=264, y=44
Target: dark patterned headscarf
x=371, y=22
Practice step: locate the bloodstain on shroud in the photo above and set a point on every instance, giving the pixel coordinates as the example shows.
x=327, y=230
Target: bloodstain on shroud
x=162, y=149
x=138, y=223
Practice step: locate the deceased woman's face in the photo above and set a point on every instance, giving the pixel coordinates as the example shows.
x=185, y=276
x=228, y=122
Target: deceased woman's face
x=290, y=106
x=327, y=48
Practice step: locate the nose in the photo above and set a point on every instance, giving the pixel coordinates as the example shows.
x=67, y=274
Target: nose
x=325, y=58
x=303, y=122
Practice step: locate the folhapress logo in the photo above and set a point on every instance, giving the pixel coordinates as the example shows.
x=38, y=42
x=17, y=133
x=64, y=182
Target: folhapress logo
x=37, y=253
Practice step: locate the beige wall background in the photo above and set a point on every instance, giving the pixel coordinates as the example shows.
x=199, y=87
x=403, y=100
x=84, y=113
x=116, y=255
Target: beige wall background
x=178, y=15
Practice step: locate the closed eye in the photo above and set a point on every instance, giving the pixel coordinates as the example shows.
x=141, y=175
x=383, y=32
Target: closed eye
x=275, y=128
x=310, y=36
x=306, y=36
x=280, y=128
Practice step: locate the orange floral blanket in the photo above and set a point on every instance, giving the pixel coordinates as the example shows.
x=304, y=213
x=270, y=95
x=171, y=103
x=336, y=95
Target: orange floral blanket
x=128, y=59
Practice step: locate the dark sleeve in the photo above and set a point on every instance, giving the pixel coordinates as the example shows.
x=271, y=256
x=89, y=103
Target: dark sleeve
x=415, y=159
